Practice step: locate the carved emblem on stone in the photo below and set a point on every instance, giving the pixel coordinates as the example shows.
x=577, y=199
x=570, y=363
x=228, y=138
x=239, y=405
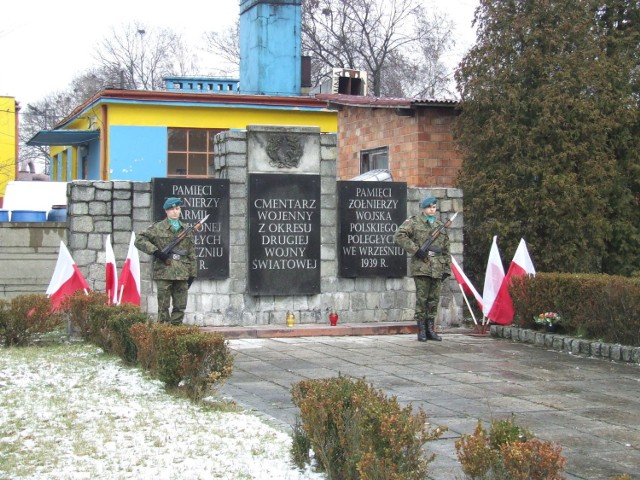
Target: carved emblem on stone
x=284, y=151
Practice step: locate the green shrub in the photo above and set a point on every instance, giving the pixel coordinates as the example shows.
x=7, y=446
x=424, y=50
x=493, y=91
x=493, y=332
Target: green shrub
x=142, y=336
x=300, y=445
x=507, y=431
x=532, y=460
x=206, y=362
x=115, y=336
x=183, y=357
x=24, y=316
x=169, y=352
x=358, y=433
x=75, y=308
x=601, y=307
x=508, y=452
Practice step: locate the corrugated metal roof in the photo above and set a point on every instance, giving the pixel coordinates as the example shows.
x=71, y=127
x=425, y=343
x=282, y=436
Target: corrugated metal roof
x=383, y=102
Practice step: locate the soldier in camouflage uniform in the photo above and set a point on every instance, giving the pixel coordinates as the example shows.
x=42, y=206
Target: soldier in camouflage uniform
x=428, y=270
x=173, y=272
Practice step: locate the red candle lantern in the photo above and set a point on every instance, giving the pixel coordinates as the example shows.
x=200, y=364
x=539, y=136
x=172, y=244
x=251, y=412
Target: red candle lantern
x=333, y=318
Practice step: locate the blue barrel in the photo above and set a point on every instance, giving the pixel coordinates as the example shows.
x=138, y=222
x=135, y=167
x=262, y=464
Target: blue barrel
x=28, y=216
x=58, y=213
x=4, y=215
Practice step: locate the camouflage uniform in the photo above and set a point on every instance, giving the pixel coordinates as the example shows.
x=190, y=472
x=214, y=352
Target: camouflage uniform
x=171, y=280
x=427, y=273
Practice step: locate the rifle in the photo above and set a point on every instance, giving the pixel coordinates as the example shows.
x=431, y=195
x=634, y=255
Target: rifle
x=426, y=246
x=168, y=249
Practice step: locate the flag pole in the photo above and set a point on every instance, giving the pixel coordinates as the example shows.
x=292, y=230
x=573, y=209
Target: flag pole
x=468, y=306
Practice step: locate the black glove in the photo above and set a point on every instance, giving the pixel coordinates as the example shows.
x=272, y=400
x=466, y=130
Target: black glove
x=190, y=281
x=163, y=257
x=445, y=275
x=420, y=254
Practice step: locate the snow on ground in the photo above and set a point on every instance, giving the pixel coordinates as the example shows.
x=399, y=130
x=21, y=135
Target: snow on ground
x=70, y=412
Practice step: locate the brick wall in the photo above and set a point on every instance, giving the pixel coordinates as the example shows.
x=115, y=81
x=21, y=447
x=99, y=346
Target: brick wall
x=422, y=152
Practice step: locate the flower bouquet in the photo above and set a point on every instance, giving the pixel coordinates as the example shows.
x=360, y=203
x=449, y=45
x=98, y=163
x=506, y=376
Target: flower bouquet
x=550, y=320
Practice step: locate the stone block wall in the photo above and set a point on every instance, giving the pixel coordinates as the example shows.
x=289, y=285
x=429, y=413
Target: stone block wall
x=99, y=208
x=28, y=255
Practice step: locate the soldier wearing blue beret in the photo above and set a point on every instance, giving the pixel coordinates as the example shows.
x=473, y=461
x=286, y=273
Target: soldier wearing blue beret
x=173, y=271
x=427, y=269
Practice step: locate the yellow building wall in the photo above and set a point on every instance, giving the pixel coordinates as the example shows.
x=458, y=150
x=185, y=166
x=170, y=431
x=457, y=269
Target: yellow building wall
x=210, y=116
x=8, y=142
x=214, y=116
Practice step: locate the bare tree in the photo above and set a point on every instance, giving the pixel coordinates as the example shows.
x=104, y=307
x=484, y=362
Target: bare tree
x=41, y=115
x=226, y=46
x=431, y=77
x=137, y=57
x=380, y=37
x=396, y=42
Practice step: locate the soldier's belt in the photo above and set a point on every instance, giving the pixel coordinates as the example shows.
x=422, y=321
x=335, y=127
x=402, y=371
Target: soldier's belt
x=178, y=254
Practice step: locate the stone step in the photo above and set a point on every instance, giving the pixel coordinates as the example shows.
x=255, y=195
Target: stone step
x=315, y=330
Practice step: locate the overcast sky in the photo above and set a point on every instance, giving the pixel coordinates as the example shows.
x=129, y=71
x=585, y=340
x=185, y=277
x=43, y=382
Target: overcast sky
x=44, y=44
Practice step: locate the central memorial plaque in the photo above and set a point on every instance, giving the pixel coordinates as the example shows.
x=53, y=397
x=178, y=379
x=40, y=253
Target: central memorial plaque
x=284, y=234
x=201, y=197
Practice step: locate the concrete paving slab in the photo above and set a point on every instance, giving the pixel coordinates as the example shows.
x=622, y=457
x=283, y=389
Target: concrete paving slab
x=589, y=406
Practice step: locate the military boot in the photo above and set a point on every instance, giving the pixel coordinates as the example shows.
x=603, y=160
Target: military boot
x=422, y=330
x=431, y=333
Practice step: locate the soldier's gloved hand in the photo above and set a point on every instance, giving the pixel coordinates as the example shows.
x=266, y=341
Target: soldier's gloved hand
x=190, y=281
x=161, y=256
x=420, y=254
x=445, y=275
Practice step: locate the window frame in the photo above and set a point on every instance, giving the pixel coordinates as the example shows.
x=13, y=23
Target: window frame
x=370, y=157
x=177, y=157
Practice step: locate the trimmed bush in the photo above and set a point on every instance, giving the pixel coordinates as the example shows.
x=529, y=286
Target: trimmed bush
x=508, y=453
x=182, y=357
x=358, y=433
x=206, y=361
x=24, y=316
x=601, y=307
x=75, y=308
x=112, y=323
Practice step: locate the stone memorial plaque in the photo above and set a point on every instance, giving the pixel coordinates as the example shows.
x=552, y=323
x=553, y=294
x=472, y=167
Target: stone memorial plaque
x=369, y=213
x=201, y=197
x=284, y=234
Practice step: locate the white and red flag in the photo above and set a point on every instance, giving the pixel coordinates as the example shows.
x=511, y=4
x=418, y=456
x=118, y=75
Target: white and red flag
x=464, y=281
x=502, y=310
x=129, y=284
x=493, y=278
x=67, y=279
x=111, y=273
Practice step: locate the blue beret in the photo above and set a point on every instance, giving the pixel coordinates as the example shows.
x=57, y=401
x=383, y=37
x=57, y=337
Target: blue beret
x=428, y=201
x=172, y=202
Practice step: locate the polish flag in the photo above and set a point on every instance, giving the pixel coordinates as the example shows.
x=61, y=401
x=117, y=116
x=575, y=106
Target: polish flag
x=502, y=310
x=492, y=279
x=111, y=273
x=129, y=285
x=463, y=281
x=66, y=280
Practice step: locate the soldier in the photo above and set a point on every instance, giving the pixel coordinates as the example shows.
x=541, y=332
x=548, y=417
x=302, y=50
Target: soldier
x=174, y=271
x=427, y=269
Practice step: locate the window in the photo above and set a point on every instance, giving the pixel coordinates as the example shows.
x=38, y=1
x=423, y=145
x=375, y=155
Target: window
x=374, y=159
x=190, y=152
